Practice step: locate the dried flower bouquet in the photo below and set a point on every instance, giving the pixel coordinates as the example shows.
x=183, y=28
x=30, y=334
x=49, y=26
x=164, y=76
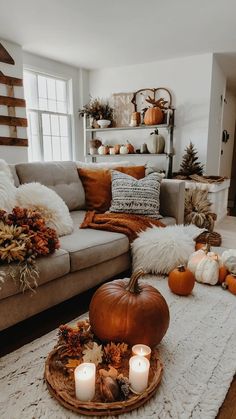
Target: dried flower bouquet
x=24, y=237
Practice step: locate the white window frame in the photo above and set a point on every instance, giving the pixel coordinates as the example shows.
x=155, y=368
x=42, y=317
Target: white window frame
x=40, y=112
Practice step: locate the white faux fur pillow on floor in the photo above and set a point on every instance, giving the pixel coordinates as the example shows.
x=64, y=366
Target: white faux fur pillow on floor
x=160, y=250
x=52, y=207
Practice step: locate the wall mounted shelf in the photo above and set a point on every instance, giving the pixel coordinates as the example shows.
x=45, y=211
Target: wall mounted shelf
x=89, y=134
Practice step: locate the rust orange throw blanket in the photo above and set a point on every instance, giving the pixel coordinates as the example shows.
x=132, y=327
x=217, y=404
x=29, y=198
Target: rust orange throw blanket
x=128, y=224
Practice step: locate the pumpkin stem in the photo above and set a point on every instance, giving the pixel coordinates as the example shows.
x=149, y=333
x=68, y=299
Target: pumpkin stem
x=208, y=246
x=181, y=268
x=133, y=282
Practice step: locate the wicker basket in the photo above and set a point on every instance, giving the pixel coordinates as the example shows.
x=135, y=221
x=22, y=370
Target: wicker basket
x=61, y=386
x=212, y=238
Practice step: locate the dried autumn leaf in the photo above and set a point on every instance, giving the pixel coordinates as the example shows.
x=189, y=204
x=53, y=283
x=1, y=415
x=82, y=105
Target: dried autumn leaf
x=93, y=354
x=73, y=363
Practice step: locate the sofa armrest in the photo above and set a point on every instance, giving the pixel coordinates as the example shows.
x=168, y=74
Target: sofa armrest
x=172, y=199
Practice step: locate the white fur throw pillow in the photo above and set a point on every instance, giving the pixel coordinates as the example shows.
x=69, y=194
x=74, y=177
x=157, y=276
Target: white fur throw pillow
x=7, y=192
x=159, y=250
x=6, y=169
x=52, y=207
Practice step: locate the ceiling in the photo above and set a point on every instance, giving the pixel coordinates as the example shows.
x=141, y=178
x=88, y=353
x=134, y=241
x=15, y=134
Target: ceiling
x=96, y=34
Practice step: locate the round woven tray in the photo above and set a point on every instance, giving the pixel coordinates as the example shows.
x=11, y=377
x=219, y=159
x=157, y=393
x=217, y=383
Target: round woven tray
x=61, y=386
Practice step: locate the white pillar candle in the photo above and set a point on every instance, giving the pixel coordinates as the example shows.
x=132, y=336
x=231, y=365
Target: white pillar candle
x=138, y=373
x=85, y=375
x=141, y=350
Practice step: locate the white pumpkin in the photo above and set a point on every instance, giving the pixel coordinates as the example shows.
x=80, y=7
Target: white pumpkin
x=124, y=149
x=207, y=271
x=103, y=149
x=156, y=143
x=194, y=260
x=229, y=260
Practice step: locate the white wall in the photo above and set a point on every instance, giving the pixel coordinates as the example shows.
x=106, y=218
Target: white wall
x=79, y=91
x=189, y=80
x=13, y=154
x=218, y=88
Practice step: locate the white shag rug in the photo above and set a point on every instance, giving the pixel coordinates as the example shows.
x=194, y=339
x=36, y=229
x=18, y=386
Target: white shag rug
x=198, y=353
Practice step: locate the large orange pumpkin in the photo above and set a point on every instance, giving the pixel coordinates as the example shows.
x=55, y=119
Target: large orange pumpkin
x=126, y=311
x=181, y=281
x=231, y=283
x=153, y=116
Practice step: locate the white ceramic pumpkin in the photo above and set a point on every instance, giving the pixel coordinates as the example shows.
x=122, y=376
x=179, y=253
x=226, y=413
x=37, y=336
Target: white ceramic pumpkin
x=124, y=149
x=194, y=260
x=156, y=143
x=229, y=260
x=207, y=271
x=103, y=149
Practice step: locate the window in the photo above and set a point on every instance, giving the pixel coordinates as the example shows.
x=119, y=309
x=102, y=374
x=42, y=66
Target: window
x=49, y=118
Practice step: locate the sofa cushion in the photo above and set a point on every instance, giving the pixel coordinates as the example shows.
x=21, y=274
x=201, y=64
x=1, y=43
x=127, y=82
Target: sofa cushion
x=50, y=267
x=62, y=177
x=97, y=185
x=132, y=196
x=88, y=247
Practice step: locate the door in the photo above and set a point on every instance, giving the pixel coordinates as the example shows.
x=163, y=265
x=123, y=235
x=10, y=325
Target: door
x=228, y=125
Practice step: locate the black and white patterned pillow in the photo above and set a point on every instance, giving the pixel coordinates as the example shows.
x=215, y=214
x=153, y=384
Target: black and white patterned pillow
x=134, y=196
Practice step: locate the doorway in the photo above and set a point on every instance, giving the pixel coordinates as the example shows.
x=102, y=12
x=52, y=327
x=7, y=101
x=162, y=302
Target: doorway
x=228, y=149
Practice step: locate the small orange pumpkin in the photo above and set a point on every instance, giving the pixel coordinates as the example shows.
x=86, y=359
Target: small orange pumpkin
x=181, y=281
x=153, y=116
x=130, y=147
x=231, y=283
x=199, y=246
x=223, y=272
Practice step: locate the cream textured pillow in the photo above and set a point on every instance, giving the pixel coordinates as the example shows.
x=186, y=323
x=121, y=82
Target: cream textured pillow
x=133, y=196
x=52, y=207
x=160, y=250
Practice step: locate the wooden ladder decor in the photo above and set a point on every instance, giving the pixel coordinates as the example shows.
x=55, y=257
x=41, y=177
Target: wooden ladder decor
x=5, y=56
x=11, y=120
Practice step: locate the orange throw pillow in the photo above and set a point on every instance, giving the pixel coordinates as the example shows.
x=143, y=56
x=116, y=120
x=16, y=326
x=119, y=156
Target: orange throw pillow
x=97, y=185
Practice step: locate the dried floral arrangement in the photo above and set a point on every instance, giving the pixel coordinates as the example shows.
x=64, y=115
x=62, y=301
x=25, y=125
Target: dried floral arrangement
x=160, y=103
x=24, y=237
x=98, y=109
x=78, y=344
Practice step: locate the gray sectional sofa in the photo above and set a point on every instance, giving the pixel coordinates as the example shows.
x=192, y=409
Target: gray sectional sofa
x=87, y=257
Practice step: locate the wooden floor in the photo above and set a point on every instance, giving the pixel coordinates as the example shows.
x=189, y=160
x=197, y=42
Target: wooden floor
x=37, y=326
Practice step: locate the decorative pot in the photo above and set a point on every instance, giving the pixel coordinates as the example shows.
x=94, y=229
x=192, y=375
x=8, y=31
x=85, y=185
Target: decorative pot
x=103, y=123
x=156, y=143
x=135, y=119
x=153, y=116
